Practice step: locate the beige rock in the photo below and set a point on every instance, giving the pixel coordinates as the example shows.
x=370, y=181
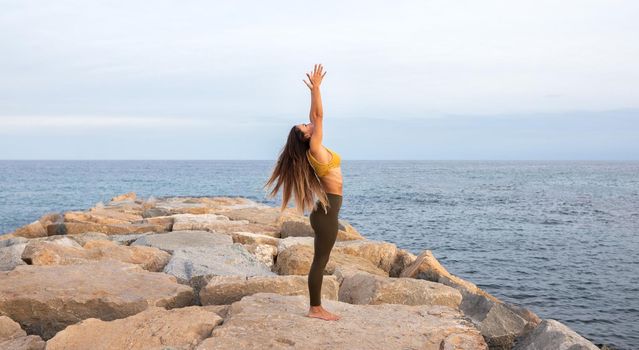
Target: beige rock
x=220, y=224
x=265, y=215
x=365, y=288
x=297, y=260
x=265, y=253
x=287, y=242
x=402, y=260
x=74, y=228
x=153, y=328
x=89, y=236
x=253, y=238
x=84, y=217
x=46, y=299
x=14, y=338
x=166, y=221
x=34, y=229
x=381, y=254
x=552, y=334
x=131, y=196
x=300, y=226
x=11, y=256
x=115, y=213
x=50, y=253
x=500, y=323
x=229, y=289
x=273, y=321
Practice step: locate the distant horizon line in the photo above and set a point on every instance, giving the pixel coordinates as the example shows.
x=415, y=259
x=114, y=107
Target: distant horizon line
x=391, y=160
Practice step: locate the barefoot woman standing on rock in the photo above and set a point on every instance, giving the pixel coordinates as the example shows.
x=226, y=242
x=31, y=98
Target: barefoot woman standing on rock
x=310, y=170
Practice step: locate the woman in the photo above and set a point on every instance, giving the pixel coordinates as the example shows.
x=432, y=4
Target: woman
x=310, y=170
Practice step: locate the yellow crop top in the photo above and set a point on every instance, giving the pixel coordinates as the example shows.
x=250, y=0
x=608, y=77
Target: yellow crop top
x=321, y=169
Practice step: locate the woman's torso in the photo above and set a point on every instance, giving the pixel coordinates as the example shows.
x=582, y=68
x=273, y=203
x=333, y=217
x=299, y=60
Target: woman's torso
x=329, y=168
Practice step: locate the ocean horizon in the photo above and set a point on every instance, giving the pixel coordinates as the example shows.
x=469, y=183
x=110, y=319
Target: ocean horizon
x=557, y=237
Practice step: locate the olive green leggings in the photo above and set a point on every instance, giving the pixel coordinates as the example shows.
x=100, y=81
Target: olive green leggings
x=325, y=227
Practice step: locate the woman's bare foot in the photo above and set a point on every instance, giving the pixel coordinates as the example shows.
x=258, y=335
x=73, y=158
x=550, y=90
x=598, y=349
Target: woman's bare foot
x=320, y=312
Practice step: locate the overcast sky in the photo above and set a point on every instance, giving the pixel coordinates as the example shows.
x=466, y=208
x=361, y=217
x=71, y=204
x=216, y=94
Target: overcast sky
x=405, y=79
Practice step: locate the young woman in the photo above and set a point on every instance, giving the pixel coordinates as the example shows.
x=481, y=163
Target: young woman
x=312, y=172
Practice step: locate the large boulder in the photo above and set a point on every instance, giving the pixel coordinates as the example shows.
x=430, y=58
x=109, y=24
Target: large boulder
x=297, y=260
x=254, y=238
x=46, y=299
x=11, y=256
x=381, y=254
x=551, y=334
x=500, y=323
x=220, y=223
x=38, y=228
x=220, y=260
x=300, y=226
x=195, y=266
x=50, y=253
x=12, y=337
x=265, y=253
x=365, y=288
x=274, y=321
x=172, y=241
x=229, y=289
x=74, y=228
x=153, y=328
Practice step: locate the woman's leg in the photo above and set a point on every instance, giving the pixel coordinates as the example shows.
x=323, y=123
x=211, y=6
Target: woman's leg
x=325, y=227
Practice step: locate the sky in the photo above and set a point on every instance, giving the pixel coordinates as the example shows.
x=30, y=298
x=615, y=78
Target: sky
x=132, y=79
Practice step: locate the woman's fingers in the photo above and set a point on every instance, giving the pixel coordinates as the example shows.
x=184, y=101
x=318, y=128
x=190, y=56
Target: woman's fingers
x=310, y=87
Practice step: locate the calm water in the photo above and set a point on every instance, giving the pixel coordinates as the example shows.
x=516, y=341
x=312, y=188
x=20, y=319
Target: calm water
x=560, y=238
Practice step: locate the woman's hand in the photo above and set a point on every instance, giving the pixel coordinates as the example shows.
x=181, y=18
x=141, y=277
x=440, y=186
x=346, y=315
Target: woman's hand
x=315, y=78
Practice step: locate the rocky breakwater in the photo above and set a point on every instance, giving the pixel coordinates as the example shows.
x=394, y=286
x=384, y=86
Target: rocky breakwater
x=230, y=273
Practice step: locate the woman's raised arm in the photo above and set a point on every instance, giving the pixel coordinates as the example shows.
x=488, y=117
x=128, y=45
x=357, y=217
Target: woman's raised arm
x=315, y=80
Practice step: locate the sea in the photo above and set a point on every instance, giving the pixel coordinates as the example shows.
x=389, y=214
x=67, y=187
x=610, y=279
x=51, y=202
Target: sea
x=560, y=238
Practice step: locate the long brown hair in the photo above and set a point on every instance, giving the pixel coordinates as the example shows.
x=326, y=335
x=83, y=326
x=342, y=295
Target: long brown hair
x=296, y=176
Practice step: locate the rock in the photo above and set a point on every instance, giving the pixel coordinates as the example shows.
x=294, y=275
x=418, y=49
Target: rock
x=229, y=289
x=50, y=253
x=253, y=238
x=126, y=239
x=220, y=260
x=9, y=240
x=381, y=254
x=46, y=299
x=252, y=321
x=183, y=239
x=166, y=221
x=34, y=229
x=287, y=242
x=131, y=196
x=153, y=328
x=403, y=259
x=11, y=256
x=365, y=288
x=499, y=323
x=265, y=253
x=297, y=260
x=196, y=265
x=297, y=226
x=116, y=214
x=89, y=236
x=14, y=338
x=154, y=212
x=264, y=215
x=74, y=228
x=551, y=334
x=220, y=224
x=83, y=217
x=64, y=241
x=300, y=226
